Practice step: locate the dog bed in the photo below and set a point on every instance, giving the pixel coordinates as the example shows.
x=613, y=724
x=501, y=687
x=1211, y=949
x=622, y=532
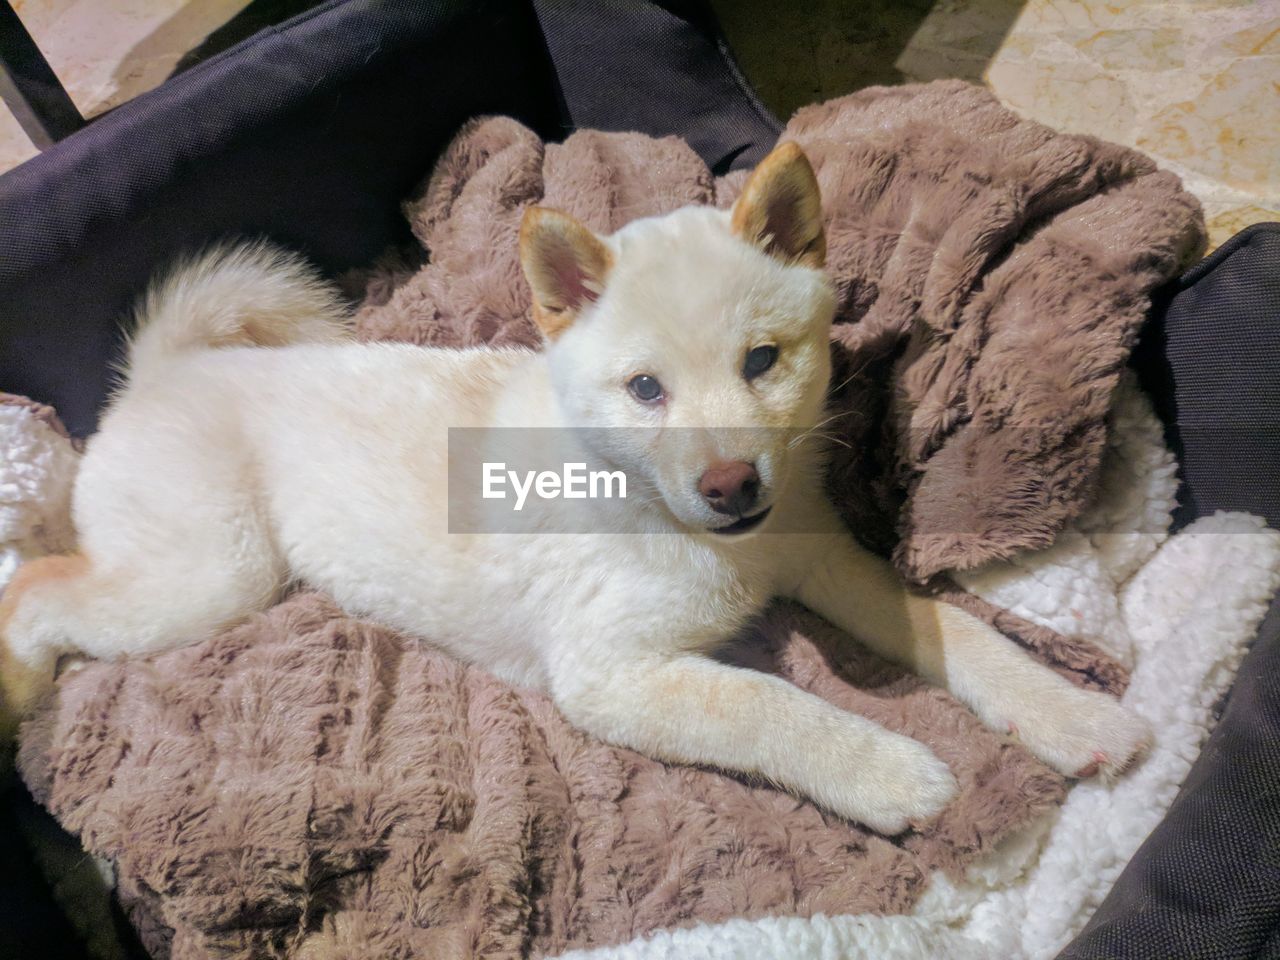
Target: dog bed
x=62, y=300
x=340, y=788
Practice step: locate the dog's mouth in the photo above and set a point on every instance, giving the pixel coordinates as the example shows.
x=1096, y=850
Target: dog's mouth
x=743, y=524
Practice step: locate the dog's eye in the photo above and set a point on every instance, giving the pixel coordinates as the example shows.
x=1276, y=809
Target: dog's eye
x=645, y=388
x=758, y=361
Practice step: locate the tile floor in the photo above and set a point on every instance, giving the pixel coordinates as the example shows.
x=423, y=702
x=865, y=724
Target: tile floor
x=1195, y=83
x=107, y=51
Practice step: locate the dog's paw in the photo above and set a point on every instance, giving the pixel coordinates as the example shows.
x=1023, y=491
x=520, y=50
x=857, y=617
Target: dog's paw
x=908, y=786
x=1084, y=734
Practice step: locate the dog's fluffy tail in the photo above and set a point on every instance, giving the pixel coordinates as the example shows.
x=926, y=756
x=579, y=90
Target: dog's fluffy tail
x=251, y=294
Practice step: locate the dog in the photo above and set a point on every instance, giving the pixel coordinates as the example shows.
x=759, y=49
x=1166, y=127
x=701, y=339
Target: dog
x=255, y=444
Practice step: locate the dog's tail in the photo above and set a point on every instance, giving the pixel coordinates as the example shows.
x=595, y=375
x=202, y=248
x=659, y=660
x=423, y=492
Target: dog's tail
x=251, y=294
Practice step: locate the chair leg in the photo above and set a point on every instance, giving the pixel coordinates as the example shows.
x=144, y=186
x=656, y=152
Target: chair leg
x=29, y=86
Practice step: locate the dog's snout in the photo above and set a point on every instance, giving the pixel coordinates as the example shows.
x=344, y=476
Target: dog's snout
x=730, y=488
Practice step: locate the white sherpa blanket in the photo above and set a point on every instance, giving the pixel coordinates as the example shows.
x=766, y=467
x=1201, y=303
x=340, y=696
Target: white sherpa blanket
x=1115, y=577
x=37, y=467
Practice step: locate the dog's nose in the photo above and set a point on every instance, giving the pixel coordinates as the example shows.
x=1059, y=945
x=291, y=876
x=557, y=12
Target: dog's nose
x=730, y=487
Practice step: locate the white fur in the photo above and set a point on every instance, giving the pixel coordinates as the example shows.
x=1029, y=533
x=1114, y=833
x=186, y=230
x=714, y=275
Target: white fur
x=223, y=471
x=248, y=295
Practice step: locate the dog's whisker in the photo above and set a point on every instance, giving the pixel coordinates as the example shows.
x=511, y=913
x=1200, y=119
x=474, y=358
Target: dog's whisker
x=813, y=434
x=835, y=440
x=834, y=416
x=856, y=373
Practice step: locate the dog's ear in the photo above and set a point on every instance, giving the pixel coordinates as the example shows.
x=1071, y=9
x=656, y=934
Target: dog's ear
x=566, y=266
x=780, y=209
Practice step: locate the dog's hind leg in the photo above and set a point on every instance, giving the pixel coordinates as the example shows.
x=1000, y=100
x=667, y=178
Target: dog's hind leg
x=163, y=585
x=27, y=665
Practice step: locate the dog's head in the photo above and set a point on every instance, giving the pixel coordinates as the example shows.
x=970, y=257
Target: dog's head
x=699, y=338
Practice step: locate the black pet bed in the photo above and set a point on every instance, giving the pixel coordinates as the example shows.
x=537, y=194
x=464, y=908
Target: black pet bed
x=313, y=132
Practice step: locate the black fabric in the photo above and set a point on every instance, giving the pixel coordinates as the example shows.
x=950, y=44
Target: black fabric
x=257, y=16
x=31, y=925
x=1210, y=357
x=657, y=68
x=311, y=134
x=1206, y=884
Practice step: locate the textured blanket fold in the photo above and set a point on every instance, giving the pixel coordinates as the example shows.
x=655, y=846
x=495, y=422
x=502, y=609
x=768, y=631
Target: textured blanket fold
x=993, y=275
x=316, y=786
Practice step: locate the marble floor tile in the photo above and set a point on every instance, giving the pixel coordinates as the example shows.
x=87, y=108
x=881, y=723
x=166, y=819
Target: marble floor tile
x=1193, y=83
x=108, y=51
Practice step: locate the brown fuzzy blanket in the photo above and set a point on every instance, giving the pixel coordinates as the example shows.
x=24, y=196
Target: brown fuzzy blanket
x=315, y=786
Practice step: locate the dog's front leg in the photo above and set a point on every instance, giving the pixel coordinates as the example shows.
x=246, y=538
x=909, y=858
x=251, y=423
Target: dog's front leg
x=1078, y=732
x=691, y=709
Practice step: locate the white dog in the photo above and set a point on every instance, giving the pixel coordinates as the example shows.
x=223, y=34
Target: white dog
x=256, y=444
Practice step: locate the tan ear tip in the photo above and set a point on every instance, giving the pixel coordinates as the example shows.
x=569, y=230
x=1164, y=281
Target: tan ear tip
x=531, y=217
x=785, y=154
x=556, y=220
x=534, y=221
